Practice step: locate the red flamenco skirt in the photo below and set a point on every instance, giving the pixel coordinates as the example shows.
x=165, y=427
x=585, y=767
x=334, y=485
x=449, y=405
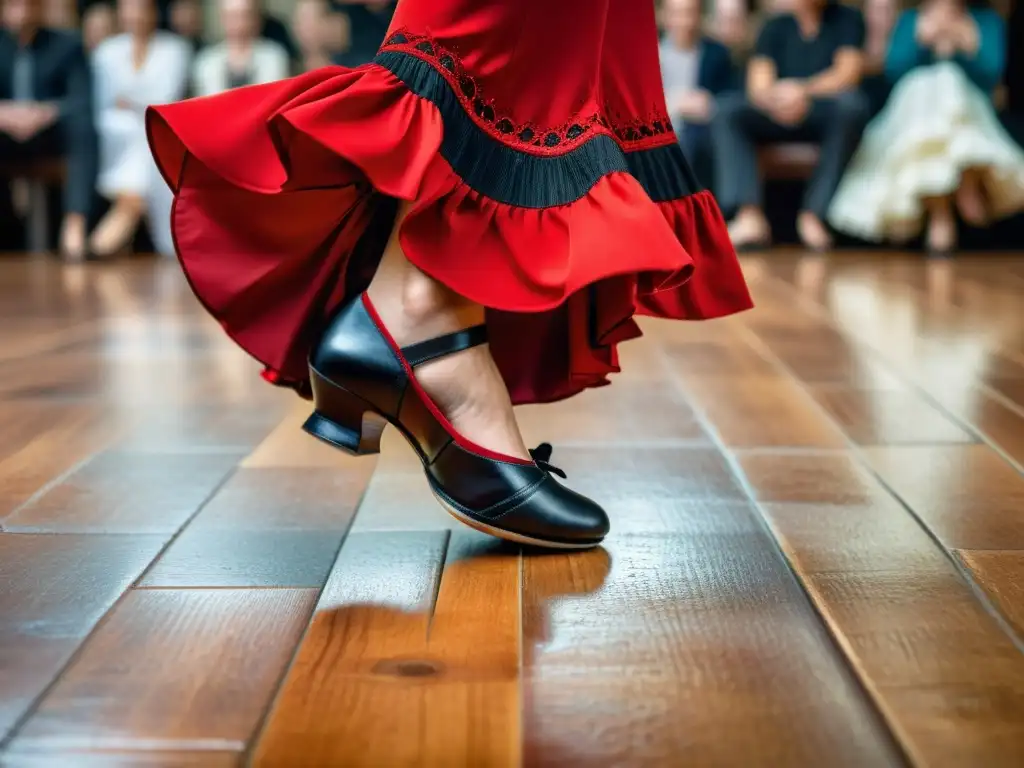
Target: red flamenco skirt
x=531, y=141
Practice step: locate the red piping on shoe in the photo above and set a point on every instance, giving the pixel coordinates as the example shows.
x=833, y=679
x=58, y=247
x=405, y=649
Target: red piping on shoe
x=463, y=442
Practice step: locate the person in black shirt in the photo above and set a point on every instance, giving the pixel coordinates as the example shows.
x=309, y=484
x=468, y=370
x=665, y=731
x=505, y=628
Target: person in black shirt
x=46, y=109
x=802, y=85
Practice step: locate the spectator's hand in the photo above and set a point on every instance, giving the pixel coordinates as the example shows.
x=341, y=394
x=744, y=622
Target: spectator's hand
x=929, y=25
x=963, y=34
x=23, y=121
x=122, y=103
x=790, y=102
x=694, y=106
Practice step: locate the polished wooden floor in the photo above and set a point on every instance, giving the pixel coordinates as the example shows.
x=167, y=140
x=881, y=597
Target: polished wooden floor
x=817, y=557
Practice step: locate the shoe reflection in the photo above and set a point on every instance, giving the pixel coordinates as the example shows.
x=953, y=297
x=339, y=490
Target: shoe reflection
x=419, y=661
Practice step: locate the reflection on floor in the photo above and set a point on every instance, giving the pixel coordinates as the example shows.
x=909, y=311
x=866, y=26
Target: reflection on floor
x=817, y=560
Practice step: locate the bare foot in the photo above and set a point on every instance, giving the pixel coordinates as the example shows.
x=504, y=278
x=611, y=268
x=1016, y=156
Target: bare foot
x=813, y=233
x=941, y=234
x=750, y=229
x=970, y=200
x=116, y=230
x=72, y=238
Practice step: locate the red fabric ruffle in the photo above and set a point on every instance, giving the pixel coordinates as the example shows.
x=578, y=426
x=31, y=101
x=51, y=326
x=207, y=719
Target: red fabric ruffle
x=282, y=193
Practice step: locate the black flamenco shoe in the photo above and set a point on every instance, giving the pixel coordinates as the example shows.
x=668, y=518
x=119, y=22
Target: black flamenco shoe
x=363, y=381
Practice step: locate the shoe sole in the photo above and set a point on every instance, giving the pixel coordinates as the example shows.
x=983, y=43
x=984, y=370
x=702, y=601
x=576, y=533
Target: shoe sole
x=327, y=431
x=501, y=533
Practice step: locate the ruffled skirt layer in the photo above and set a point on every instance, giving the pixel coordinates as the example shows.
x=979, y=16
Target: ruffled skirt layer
x=285, y=195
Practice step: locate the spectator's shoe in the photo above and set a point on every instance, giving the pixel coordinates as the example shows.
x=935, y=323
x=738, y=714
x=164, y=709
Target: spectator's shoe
x=750, y=233
x=813, y=233
x=362, y=381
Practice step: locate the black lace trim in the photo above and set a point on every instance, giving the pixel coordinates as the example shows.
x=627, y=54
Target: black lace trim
x=527, y=180
x=504, y=125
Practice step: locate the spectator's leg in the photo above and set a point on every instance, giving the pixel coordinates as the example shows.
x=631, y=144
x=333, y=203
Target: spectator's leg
x=837, y=123
x=124, y=181
x=735, y=133
x=970, y=198
x=10, y=231
x=81, y=152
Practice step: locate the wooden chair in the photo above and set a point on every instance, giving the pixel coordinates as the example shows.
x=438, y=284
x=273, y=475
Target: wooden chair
x=788, y=161
x=37, y=176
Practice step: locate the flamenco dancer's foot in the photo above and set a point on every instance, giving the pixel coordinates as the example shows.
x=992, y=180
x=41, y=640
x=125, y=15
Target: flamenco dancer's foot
x=411, y=353
x=466, y=386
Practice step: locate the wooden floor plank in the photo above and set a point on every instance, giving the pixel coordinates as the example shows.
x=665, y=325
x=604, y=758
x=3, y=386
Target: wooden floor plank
x=201, y=428
x=126, y=760
x=967, y=495
x=126, y=493
x=154, y=675
x=697, y=648
x=949, y=680
x=336, y=705
x=53, y=591
x=63, y=438
x=761, y=411
x=266, y=527
x=880, y=417
x=448, y=683
x=1001, y=575
x=635, y=411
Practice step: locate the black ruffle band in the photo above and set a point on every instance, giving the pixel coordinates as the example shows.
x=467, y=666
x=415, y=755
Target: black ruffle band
x=525, y=180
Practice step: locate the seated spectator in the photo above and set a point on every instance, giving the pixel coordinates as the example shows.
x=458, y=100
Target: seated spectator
x=133, y=70
x=98, y=23
x=879, y=19
x=368, y=22
x=46, y=109
x=694, y=70
x=272, y=28
x=242, y=58
x=731, y=25
x=185, y=19
x=938, y=140
x=60, y=14
x=802, y=85
x=310, y=23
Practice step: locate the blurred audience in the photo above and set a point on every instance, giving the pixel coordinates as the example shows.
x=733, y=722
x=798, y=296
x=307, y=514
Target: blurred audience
x=242, y=58
x=731, y=26
x=816, y=72
x=309, y=23
x=185, y=19
x=879, y=19
x=272, y=28
x=46, y=110
x=694, y=70
x=140, y=67
x=802, y=85
x=98, y=23
x=367, y=23
x=60, y=14
x=938, y=142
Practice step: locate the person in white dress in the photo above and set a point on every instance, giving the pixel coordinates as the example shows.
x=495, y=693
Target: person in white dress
x=938, y=143
x=243, y=58
x=133, y=70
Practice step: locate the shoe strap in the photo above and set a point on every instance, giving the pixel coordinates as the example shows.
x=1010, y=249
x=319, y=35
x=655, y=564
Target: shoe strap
x=431, y=349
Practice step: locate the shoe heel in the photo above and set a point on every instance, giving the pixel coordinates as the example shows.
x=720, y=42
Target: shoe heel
x=344, y=420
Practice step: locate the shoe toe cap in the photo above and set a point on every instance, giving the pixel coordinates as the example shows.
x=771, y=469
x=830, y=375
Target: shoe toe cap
x=559, y=513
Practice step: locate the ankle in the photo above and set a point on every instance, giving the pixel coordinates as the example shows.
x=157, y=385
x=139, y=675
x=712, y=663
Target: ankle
x=415, y=307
